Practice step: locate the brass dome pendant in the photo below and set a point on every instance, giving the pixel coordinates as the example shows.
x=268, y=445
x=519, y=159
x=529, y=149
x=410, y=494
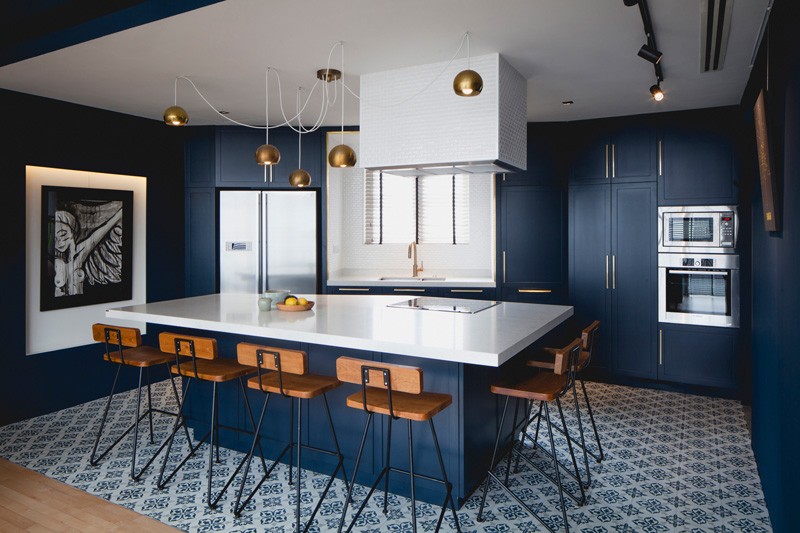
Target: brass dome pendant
x=342, y=156
x=176, y=116
x=468, y=83
x=299, y=178
x=267, y=154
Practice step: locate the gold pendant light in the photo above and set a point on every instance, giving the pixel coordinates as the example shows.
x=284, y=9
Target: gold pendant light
x=175, y=115
x=468, y=82
x=341, y=155
x=267, y=154
x=299, y=177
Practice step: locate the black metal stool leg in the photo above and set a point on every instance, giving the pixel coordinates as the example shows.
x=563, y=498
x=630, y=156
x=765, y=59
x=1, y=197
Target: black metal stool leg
x=95, y=460
x=528, y=409
x=214, y=433
x=448, y=486
x=161, y=483
x=494, y=456
x=355, y=476
x=252, y=420
x=299, y=464
x=411, y=470
x=583, y=438
x=555, y=466
x=513, y=439
x=238, y=506
x=594, y=427
x=335, y=441
x=215, y=417
x=388, y=467
x=150, y=405
x=571, y=452
x=291, y=439
x=178, y=400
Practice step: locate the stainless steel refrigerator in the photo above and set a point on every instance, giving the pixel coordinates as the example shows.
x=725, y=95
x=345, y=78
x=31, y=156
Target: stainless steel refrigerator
x=268, y=240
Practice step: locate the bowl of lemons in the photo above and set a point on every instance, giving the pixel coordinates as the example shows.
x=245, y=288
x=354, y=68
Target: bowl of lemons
x=294, y=303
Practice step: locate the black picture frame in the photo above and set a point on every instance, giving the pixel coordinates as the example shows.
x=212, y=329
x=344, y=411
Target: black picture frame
x=86, y=247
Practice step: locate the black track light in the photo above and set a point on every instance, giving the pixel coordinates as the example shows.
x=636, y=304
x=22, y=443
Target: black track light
x=656, y=92
x=649, y=53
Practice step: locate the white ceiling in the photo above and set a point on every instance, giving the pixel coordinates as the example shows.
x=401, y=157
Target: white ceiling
x=580, y=50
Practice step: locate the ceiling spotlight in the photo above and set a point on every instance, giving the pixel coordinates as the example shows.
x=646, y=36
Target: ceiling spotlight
x=567, y=102
x=649, y=53
x=468, y=82
x=657, y=93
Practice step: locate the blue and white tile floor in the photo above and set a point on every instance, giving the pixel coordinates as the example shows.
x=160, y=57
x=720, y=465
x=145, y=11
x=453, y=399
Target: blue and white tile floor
x=674, y=462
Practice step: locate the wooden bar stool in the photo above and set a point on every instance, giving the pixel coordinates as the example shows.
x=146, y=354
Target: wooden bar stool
x=285, y=372
x=544, y=387
x=124, y=348
x=545, y=360
x=202, y=365
x=395, y=391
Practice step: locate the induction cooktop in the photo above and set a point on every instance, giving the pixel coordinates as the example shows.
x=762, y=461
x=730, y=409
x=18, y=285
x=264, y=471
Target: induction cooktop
x=450, y=305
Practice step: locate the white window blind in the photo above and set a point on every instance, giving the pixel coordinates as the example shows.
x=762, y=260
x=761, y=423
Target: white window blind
x=428, y=209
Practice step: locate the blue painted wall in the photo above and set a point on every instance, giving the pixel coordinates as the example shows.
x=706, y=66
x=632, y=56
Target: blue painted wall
x=775, y=289
x=43, y=132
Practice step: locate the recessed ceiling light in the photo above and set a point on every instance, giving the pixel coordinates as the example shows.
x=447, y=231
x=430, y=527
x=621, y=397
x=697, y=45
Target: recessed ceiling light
x=567, y=102
x=224, y=112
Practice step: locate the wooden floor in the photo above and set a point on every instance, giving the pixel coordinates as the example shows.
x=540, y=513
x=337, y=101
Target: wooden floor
x=32, y=502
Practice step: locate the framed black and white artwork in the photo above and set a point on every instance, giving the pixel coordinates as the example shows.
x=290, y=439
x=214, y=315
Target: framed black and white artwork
x=86, y=246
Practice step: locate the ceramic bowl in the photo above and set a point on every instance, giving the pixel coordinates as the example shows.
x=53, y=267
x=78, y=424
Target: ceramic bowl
x=277, y=296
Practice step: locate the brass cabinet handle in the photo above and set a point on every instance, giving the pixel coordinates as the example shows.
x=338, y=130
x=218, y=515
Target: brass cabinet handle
x=660, y=160
x=606, y=160
x=409, y=290
x=660, y=347
x=613, y=161
x=504, y=266
x=606, y=272
x=360, y=289
x=466, y=290
x=535, y=291
x=613, y=271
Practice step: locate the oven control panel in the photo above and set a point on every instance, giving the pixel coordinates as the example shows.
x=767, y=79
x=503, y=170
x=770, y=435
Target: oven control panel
x=726, y=230
x=697, y=262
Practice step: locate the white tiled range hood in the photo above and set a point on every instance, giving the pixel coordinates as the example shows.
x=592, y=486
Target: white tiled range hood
x=437, y=132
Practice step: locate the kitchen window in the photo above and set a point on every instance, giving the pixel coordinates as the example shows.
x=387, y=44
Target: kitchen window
x=425, y=209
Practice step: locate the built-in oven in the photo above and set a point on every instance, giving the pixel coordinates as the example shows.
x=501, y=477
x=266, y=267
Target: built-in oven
x=699, y=289
x=698, y=229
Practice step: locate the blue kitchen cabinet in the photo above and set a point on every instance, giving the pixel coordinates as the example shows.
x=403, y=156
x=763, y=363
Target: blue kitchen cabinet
x=699, y=355
x=699, y=164
x=469, y=293
x=634, y=295
x=590, y=263
x=201, y=241
x=199, y=162
x=532, y=237
x=546, y=162
x=613, y=151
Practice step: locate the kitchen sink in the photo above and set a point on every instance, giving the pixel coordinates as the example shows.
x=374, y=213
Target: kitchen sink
x=411, y=278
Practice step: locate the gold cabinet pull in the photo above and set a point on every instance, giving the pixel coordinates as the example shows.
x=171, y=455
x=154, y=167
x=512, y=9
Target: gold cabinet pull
x=660, y=347
x=606, y=160
x=606, y=272
x=466, y=290
x=409, y=290
x=535, y=291
x=613, y=271
x=660, y=160
x=504, y=266
x=359, y=289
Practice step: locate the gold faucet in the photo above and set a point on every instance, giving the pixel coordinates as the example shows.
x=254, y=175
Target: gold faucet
x=412, y=252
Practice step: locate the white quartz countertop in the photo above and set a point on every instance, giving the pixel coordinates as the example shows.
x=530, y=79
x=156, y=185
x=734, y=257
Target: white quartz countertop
x=364, y=322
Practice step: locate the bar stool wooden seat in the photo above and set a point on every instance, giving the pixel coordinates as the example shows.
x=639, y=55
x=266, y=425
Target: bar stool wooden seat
x=588, y=342
x=395, y=391
x=202, y=365
x=123, y=346
x=285, y=372
x=544, y=387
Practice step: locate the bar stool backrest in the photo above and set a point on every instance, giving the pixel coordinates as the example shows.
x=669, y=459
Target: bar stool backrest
x=589, y=338
x=272, y=358
x=188, y=345
x=398, y=378
x=117, y=335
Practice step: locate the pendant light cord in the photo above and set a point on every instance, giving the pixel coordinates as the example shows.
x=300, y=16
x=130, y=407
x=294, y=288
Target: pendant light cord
x=342, y=134
x=299, y=134
x=176, y=91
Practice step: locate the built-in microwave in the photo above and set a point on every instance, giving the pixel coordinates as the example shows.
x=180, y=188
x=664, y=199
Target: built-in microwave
x=706, y=229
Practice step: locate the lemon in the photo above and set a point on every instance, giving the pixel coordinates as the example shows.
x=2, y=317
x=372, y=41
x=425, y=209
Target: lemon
x=302, y=301
x=291, y=300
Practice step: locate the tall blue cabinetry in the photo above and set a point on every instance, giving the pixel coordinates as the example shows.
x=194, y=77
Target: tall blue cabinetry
x=612, y=242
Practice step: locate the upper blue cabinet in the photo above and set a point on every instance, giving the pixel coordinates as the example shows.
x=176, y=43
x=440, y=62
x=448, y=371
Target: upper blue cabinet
x=237, y=167
x=699, y=164
x=613, y=150
x=546, y=162
x=199, y=157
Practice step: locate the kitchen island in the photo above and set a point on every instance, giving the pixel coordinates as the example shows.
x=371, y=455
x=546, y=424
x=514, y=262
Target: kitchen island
x=460, y=354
